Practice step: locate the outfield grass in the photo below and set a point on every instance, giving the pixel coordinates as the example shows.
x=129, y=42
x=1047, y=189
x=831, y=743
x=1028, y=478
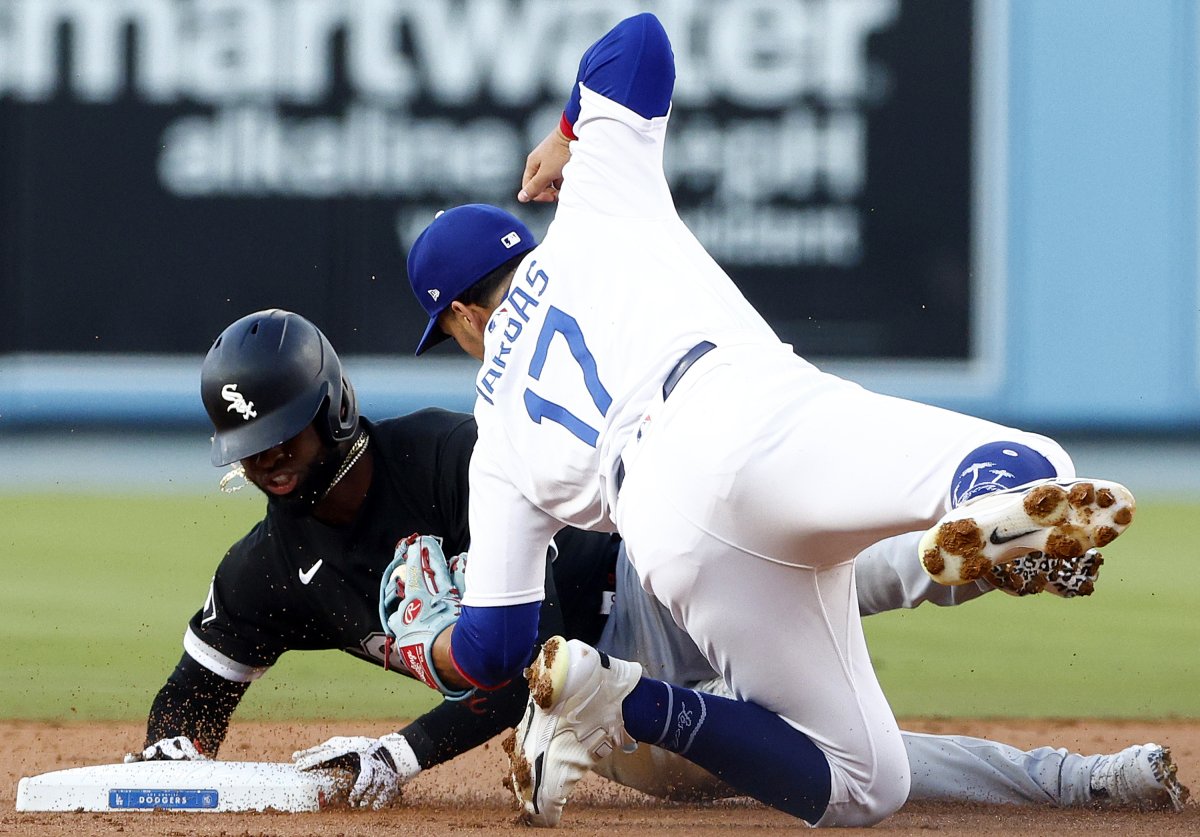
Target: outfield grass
x=98, y=591
x=98, y=594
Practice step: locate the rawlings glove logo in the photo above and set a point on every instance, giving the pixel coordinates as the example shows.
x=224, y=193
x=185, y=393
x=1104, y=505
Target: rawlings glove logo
x=411, y=611
x=420, y=666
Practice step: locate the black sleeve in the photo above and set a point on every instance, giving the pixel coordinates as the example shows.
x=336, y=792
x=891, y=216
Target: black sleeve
x=194, y=703
x=425, y=458
x=252, y=613
x=451, y=728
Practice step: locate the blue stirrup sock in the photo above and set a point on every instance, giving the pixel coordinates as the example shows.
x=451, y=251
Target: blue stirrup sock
x=744, y=745
x=998, y=466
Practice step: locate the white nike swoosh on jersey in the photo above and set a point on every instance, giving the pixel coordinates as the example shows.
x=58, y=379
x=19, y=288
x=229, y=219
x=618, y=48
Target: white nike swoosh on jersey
x=307, y=575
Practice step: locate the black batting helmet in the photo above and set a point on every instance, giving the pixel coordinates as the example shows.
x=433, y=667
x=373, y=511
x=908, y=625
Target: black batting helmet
x=266, y=378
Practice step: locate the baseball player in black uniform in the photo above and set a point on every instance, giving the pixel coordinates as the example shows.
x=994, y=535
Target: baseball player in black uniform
x=341, y=491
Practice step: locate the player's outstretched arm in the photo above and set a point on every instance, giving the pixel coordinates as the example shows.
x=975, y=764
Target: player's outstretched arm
x=626, y=77
x=419, y=584
x=383, y=766
x=631, y=65
x=194, y=705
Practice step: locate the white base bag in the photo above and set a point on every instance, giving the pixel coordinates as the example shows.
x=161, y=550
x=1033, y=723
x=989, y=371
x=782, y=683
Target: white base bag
x=215, y=786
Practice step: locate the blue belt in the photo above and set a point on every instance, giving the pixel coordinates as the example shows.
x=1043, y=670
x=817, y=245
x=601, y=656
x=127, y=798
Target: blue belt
x=673, y=377
x=685, y=363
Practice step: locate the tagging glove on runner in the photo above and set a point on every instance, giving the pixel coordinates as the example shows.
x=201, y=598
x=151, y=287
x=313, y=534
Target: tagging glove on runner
x=418, y=600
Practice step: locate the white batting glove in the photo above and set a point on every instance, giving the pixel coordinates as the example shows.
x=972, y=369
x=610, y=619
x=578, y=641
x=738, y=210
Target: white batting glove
x=179, y=748
x=382, y=766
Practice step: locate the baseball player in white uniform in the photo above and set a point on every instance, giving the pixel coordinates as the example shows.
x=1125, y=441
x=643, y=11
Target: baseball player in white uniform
x=627, y=385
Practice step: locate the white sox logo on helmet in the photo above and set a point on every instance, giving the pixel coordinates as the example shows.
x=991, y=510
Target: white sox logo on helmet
x=238, y=402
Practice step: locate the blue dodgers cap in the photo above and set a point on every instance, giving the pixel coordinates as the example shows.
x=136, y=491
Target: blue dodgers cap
x=459, y=248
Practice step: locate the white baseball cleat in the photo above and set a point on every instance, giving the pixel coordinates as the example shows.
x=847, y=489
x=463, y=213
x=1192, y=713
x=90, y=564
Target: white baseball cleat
x=1142, y=776
x=572, y=721
x=1059, y=519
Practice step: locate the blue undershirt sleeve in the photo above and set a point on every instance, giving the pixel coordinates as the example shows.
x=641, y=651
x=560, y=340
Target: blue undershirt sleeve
x=632, y=65
x=491, y=645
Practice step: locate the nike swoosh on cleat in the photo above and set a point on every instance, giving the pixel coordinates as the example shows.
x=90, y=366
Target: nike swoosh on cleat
x=537, y=781
x=307, y=575
x=999, y=539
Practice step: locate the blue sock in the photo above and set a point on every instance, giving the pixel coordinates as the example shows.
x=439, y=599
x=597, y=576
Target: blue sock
x=998, y=466
x=754, y=750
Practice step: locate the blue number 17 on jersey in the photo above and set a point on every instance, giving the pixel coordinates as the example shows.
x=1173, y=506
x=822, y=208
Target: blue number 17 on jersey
x=560, y=322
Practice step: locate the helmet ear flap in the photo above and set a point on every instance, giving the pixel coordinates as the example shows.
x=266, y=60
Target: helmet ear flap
x=342, y=419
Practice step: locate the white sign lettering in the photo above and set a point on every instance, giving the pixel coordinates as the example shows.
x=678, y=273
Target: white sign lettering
x=777, y=175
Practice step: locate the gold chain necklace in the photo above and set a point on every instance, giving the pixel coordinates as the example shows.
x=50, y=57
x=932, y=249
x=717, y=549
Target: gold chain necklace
x=352, y=456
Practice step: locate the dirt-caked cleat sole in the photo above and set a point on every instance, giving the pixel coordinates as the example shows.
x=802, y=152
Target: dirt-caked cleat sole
x=1059, y=519
x=1034, y=573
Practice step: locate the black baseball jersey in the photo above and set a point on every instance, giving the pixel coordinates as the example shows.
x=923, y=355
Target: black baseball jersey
x=294, y=583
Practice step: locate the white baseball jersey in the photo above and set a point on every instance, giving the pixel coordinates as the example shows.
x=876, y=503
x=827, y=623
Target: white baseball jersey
x=596, y=317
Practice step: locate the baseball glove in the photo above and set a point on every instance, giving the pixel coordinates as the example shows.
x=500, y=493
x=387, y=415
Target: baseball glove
x=417, y=602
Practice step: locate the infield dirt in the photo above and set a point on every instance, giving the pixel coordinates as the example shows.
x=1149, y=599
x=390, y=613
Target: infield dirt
x=465, y=796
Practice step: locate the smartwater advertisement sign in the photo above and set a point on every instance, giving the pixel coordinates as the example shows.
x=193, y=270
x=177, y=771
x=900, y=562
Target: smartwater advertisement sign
x=169, y=165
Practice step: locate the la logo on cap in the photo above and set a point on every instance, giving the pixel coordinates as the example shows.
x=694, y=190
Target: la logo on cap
x=511, y=240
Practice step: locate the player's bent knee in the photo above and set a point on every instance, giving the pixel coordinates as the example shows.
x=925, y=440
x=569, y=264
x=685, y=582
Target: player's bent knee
x=866, y=807
x=863, y=798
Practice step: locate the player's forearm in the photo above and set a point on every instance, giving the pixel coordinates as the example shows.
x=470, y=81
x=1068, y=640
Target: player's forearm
x=443, y=661
x=196, y=704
